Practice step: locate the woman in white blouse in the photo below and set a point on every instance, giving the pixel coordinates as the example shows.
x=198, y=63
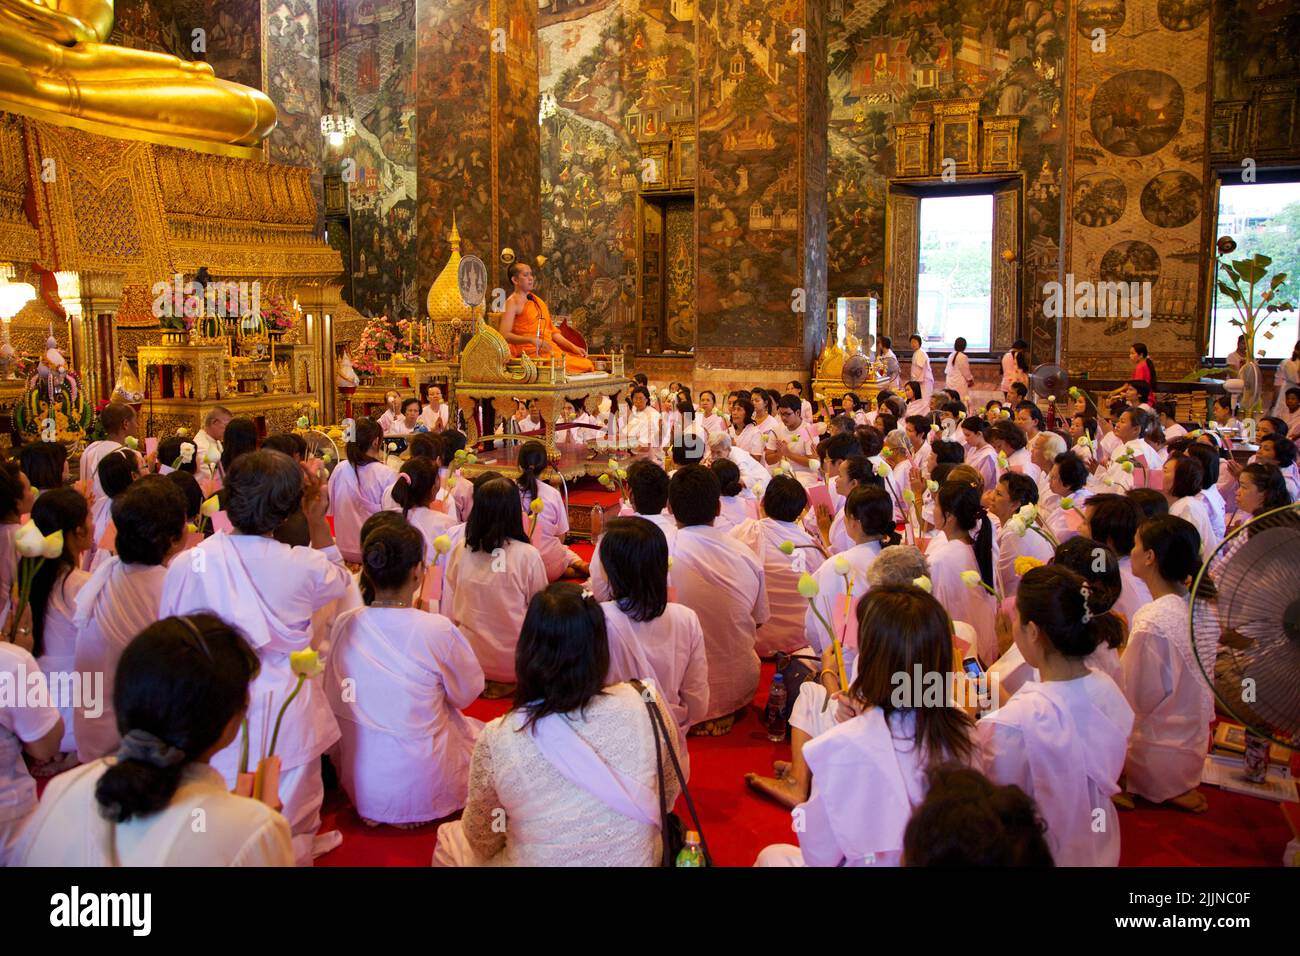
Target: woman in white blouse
x=137, y=808
x=744, y=433
x=435, y=414
x=1183, y=481
x=572, y=766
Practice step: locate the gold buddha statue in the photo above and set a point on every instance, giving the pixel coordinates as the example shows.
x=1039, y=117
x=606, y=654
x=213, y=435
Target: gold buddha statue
x=53, y=58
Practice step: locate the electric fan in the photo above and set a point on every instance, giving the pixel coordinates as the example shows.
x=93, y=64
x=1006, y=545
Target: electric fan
x=1048, y=380
x=856, y=370
x=1052, y=383
x=320, y=445
x=1245, y=629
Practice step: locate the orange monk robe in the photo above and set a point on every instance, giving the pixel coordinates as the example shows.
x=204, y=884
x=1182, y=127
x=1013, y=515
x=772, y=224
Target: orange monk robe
x=534, y=321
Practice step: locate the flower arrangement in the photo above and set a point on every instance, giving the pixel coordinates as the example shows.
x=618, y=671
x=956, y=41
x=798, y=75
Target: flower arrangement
x=34, y=549
x=378, y=341
x=1026, y=563
x=535, y=508
x=277, y=315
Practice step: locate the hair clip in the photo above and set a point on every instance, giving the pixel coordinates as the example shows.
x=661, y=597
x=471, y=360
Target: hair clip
x=1086, y=592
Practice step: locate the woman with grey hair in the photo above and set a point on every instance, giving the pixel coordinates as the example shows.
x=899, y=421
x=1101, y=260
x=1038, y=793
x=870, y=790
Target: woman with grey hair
x=813, y=712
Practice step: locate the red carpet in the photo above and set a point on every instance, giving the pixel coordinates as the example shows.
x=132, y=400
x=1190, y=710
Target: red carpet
x=1236, y=831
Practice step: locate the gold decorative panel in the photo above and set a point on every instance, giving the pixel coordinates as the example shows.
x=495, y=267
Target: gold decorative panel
x=17, y=236
x=1006, y=264
x=912, y=149
x=902, y=238
x=999, y=144
x=679, y=275
x=956, y=135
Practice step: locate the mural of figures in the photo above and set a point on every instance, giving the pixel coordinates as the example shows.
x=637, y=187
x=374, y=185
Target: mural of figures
x=750, y=138
x=1256, y=71
x=1099, y=200
x=367, y=72
x=1137, y=112
x=600, y=112
x=1171, y=199
x=887, y=62
x=1130, y=261
x=1181, y=15
x=293, y=83
x=228, y=33
x=1107, y=15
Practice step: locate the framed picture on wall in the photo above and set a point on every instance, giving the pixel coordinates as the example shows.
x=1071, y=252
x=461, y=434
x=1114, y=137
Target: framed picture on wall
x=1226, y=128
x=1000, y=143
x=912, y=149
x=654, y=166
x=956, y=132
x=684, y=155
x=1274, y=118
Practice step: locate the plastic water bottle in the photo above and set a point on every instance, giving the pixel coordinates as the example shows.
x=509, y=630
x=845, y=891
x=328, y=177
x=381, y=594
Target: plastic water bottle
x=691, y=854
x=774, y=717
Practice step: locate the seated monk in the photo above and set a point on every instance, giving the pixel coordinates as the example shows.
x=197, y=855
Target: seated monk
x=527, y=327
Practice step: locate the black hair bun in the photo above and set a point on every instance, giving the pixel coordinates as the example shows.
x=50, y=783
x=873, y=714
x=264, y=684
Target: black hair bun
x=378, y=555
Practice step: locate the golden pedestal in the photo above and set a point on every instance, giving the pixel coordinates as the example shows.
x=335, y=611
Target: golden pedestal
x=405, y=377
x=489, y=371
x=200, y=367
x=279, y=411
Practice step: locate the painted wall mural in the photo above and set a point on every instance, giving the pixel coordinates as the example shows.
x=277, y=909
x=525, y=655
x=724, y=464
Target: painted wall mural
x=1140, y=164
x=293, y=81
x=611, y=75
x=749, y=194
x=367, y=70
x=1256, y=80
x=231, y=40
x=887, y=63
x=452, y=123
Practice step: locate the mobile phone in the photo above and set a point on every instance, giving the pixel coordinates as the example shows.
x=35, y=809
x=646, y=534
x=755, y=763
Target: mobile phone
x=971, y=667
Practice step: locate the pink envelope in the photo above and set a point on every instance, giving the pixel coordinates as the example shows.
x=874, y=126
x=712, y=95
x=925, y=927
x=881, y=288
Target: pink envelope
x=1149, y=478
x=431, y=588
x=819, y=496
x=151, y=446
x=221, y=523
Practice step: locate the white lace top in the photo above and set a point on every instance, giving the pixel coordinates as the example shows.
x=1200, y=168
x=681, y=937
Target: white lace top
x=522, y=812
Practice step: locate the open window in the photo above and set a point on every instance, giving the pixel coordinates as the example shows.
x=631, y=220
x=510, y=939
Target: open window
x=1262, y=216
x=947, y=272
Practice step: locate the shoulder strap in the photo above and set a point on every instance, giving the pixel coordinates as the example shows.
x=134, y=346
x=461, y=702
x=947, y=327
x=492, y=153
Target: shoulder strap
x=661, y=733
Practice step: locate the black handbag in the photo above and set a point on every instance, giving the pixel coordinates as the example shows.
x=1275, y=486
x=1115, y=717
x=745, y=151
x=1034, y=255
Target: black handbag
x=672, y=830
x=795, y=671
